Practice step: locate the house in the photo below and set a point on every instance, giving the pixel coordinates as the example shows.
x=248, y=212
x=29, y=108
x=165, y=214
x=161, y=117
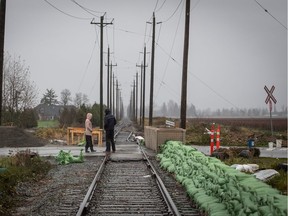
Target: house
x=50, y=112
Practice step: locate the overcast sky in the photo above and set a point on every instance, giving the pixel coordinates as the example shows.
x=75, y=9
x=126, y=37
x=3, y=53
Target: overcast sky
x=236, y=48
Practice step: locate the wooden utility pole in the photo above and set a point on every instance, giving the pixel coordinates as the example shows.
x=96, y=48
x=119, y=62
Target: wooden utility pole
x=141, y=91
x=152, y=71
x=113, y=104
x=142, y=99
x=108, y=61
x=109, y=81
x=101, y=25
x=2, y=34
x=110, y=96
x=117, y=101
x=136, y=98
x=185, y=67
x=144, y=83
x=134, y=101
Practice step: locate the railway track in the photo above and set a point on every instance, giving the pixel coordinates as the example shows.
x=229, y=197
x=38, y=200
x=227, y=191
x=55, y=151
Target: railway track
x=131, y=186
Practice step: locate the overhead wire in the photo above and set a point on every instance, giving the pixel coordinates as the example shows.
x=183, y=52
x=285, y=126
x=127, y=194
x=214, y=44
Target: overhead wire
x=160, y=6
x=97, y=39
x=85, y=9
x=204, y=83
x=170, y=57
x=173, y=12
x=166, y=67
x=86, y=69
x=271, y=15
x=195, y=5
x=81, y=18
x=156, y=5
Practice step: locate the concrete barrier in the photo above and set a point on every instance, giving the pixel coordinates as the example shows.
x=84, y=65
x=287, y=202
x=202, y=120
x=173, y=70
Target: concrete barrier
x=155, y=137
x=278, y=143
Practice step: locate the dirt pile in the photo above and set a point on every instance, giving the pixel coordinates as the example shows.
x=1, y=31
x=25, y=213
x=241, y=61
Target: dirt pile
x=17, y=137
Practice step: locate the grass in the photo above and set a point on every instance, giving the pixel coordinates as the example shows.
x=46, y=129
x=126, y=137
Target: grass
x=21, y=167
x=47, y=123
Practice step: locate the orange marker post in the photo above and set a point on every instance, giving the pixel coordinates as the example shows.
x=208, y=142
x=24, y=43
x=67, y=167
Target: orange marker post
x=218, y=137
x=212, y=139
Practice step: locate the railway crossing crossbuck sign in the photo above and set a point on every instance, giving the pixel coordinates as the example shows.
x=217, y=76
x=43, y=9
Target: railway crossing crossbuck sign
x=268, y=100
x=270, y=96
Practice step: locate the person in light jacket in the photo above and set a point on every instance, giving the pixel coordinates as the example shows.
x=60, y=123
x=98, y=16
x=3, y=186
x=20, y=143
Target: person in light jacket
x=88, y=133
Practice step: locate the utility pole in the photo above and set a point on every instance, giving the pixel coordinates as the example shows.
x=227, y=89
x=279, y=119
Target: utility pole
x=101, y=25
x=117, y=101
x=111, y=72
x=143, y=68
x=136, y=98
x=113, y=104
x=2, y=34
x=134, y=102
x=141, y=92
x=109, y=80
x=185, y=67
x=108, y=61
x=152, y=71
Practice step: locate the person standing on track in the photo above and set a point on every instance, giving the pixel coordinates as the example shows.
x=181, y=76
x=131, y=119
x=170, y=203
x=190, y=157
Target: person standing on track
x=88, y=133
x=109, y=123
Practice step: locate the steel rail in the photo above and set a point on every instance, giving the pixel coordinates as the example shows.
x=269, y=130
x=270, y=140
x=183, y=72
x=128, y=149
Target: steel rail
x=165, y=194
x=91, y=189
x=170, y=203
x=93, y=185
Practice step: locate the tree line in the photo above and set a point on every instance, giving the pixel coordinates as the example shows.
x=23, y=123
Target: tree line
x=172, y=109
x=20, y=97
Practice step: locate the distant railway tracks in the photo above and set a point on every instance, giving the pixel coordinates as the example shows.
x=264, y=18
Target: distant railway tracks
x=133, y=187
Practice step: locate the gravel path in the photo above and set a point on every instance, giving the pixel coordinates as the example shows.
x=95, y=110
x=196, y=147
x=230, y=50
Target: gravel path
x=63, y=189
x=60, y=192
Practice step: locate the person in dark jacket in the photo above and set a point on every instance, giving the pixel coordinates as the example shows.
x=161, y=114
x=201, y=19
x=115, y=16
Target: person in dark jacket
x=109, y=123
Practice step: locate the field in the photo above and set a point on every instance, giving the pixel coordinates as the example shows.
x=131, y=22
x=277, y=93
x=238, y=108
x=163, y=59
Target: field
x=235, y=131
x=47, y=124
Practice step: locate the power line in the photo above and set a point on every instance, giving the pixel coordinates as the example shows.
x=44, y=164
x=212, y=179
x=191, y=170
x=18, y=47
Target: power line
x=170, y=53
x=195, y=5
x=85, y=9
x=156, y=5
x=174, y=11
x=161, y=6
x=65, y=12
x=271, y=14
x=204, y=83
x=86, y=69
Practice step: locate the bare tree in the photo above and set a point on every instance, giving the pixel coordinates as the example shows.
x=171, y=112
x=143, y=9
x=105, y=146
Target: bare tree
x=65, y=97
x=80, y=99
x=19, y=92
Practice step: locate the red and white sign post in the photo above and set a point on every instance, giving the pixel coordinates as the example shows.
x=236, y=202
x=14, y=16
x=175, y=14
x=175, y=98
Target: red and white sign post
x=212, y=139
x=218, y=137
x=268, y=100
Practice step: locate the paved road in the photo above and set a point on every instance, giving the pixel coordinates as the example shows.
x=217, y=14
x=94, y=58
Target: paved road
x=75, y=150
x=264, y=152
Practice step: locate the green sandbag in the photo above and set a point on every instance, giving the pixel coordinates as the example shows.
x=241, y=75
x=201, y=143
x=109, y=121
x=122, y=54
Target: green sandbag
x=171, y=168
x=66, y=157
